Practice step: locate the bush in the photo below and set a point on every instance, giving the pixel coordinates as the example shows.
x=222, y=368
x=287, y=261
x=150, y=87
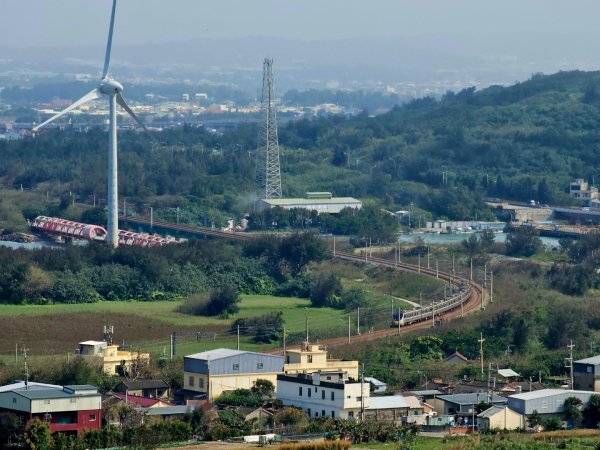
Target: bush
x=263, y=329
x=196, y=305
x=224, y=301
x=326, y=290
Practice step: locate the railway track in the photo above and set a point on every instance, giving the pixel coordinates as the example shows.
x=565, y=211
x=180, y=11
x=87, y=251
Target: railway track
x=472, y=302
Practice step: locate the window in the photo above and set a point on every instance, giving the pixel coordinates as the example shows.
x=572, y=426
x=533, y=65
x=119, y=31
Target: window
x=328, y=378
x=333, y=414
x=259, y=365
x=14, y=400
x=308, y=412
x=300, y=391
x=589, y=369
x=309, y=358
x=309, y=392
x=323, y=413
x=46, y=402
x=191, y=381
x=92, y=417
x=332, y=395
x=358, y=399
x=287, y=359
x=351, y=415
x=323, y=394
x=236, y=367
x=201, y=382
x=316, y=413
x=71, y=400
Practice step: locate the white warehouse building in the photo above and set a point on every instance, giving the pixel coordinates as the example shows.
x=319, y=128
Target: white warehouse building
x=545, y=401
x=322, y=202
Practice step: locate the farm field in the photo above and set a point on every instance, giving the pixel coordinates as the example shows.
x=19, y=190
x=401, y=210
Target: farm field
x=56, y=329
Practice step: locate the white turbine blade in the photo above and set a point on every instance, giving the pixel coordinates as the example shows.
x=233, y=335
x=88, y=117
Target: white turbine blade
x=92, y=95
x=121, y=101
x=109, y=43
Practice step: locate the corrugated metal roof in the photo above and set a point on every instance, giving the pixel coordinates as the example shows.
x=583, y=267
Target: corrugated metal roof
x=474, y=398
x=594, y=360
x=144, y=384
x=31, y=385
x=168, y=410
x=375, y=381
x=507, y=373
x=39, y=394
x=216, y=354
x=93, y=343
x=424, y=393
x=311, y=201
x=492, y=411
x=393, y=401
x=545, y=393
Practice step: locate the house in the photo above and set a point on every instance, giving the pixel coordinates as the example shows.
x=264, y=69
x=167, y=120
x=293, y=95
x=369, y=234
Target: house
x=378, y=386
x=114, y=361
x=586, y=374
x=500, y=418
x=397, y=408
x=324, y=394
x=144, y=388
x=548, y=402
x=142, y=402
x=457, y=358
x=581, y=189
x=68, y=409
x=175, y=412
x=464, y=405
x=518, y=387
x=216, y=371
x=311, y=358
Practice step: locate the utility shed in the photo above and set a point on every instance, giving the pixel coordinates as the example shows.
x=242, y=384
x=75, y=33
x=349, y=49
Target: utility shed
x=501, y=418
x=545, y=401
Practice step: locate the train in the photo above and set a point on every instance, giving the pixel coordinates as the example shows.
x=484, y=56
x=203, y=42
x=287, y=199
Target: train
x=403, y=318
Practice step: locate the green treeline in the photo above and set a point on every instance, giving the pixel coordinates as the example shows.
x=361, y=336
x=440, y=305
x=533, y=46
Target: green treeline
x=95, y=272
x=444, y=157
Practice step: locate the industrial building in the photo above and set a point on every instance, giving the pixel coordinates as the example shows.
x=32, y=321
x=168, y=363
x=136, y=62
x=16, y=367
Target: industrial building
x=215, y=371
x=322, y=202
x=548, y=402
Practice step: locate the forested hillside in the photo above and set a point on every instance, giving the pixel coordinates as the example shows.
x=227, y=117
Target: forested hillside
x=521, y=142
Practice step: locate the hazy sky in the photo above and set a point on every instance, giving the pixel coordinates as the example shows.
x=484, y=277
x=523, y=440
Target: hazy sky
x=63, y=22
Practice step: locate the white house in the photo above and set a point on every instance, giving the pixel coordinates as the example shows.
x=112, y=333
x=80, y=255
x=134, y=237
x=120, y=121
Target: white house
x=324, y=394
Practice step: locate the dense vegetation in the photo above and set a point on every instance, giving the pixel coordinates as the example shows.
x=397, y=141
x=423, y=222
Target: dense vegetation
x=444, y=157
x=91, y=273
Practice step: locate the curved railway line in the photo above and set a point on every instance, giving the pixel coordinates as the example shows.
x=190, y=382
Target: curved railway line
x=471, y=299
x=470, y=296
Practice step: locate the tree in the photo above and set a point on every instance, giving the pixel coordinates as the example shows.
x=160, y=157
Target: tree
x=263, y=387
x=10, y=425
x=591, y=413
x=472, y=245
x=326, y=290
x=300, y=249
x=572, y=408
x=525, y=241
x=224, y=301
x=37, y=435
x=290, y=416
x=535, y=419
x=353, y=298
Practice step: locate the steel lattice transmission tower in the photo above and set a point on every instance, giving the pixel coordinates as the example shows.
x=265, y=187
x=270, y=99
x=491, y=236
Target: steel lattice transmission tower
x=268, y=171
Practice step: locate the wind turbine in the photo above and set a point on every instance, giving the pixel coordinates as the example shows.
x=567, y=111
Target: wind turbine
x=112, y=88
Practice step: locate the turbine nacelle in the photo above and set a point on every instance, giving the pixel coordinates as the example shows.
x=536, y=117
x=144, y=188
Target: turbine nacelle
x=110, y=87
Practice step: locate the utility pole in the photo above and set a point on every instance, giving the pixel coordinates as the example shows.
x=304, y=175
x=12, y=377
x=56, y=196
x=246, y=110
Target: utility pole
x=26, y=367
x=437, y=272
x=362, y=392
x=284, y=349
x=306, y=328
x=569, y=365
x=348, y=328
x=399, y=318
x=432, y=313
x=481, y=341
x=471, y=276
x=491, y=286
x=428, y=257
x=419, y=263
x=238, y=337
x=358, y=321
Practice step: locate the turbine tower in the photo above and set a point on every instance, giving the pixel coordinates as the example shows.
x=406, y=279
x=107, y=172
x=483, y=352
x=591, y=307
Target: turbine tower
x=112, y=88
x=268, y=172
